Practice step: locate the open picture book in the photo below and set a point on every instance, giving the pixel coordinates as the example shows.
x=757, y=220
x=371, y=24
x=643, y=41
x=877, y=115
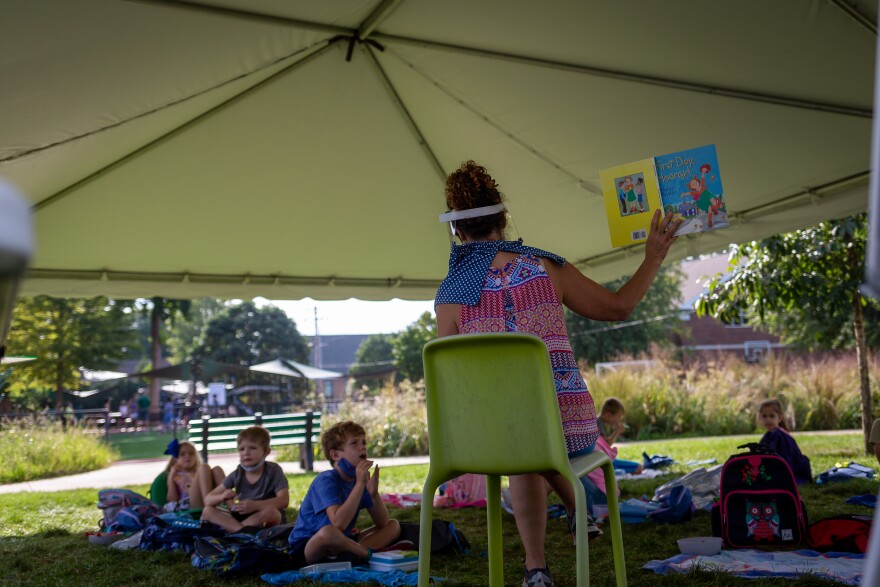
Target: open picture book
x=686, y=183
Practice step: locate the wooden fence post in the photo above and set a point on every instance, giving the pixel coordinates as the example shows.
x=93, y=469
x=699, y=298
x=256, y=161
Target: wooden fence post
x=309, y=454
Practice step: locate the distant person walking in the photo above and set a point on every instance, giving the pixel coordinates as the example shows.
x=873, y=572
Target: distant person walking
x=67, y=416
x=168, y=414
x=143, y=402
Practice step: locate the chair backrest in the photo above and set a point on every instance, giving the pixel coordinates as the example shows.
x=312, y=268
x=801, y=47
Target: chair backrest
x=492, y=405
x=159, y=489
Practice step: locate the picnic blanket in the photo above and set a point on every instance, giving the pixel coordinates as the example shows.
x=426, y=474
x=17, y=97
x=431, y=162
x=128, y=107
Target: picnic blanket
x=468, y=490
x=621, y=475
x=704, y=484
x=867, y=500
x=752, y=564
x=356, y=575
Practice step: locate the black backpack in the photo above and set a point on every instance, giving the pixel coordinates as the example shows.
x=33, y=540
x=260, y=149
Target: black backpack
x=237, y=554
x=760, y=504
x=444, y=537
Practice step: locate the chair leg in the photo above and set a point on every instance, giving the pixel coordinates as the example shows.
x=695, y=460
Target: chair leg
x=426, y=516
x=581, y=536
x=493, y=525
x=614, y=524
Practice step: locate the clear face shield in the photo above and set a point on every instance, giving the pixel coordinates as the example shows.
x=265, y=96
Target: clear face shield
x=16, y=245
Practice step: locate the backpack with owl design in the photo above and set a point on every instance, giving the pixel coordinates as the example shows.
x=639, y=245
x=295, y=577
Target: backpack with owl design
x=760, y=504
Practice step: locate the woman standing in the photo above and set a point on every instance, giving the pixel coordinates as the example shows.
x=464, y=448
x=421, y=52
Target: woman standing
x=497, y=285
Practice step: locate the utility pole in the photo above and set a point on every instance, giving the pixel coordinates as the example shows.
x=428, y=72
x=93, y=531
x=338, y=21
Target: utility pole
x=318, y=358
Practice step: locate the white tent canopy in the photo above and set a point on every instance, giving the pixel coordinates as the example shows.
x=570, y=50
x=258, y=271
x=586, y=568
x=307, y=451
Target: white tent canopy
x=185, y=387
x=289, y=368
x=237, y=148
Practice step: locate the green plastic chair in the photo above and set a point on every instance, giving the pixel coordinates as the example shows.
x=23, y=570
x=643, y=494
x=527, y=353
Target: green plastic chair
x=492, y=410
x=158, y=494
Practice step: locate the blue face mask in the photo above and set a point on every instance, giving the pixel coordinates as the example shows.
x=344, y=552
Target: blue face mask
x=254, y=467
x=347, y=468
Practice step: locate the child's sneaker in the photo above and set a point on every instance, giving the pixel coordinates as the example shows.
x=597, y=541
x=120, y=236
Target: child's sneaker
x=538, y=578
x=593, y=531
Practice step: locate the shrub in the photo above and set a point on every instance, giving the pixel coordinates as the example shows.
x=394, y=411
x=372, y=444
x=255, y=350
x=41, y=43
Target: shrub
x=720, y=396
x=40, y=448
x=394, y=420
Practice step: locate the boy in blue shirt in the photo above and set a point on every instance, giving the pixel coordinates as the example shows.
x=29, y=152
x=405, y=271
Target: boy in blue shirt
x=327, y=516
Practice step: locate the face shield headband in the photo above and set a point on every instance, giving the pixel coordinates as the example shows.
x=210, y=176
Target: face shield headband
x=454, y=215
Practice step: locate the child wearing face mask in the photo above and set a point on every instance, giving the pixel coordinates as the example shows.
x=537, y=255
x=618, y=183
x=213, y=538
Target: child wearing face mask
x=256, y=493
x=327, y=516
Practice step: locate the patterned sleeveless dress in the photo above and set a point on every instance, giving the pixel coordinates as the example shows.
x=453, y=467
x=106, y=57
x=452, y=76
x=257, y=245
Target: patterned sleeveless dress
x=520, y=297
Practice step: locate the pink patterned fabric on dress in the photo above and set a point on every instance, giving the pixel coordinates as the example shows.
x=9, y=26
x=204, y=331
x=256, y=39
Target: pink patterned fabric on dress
x=520, y=297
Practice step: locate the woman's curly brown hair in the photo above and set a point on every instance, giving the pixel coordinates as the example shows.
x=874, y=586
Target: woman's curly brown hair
x=471, y=186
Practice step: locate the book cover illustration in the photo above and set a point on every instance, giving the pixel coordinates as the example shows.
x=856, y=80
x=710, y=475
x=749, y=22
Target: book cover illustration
x=690, y=187
x=631, y=195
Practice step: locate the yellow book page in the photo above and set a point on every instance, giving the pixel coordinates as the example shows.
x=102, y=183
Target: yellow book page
x=631, y=195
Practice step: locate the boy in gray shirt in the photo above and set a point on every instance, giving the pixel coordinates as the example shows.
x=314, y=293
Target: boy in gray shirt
x=256, y=492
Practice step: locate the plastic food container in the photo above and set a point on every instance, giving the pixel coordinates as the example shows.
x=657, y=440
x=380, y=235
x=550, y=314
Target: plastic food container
x=705, y=545
x=325, y=568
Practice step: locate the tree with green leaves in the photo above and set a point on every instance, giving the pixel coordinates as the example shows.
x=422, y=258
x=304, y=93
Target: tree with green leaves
x=409, y=343
x=186, y=331
x=804, y=287
x=374, y=355
x=66, y=334
x=162, y=311
x=650, y=323
x=247, y=335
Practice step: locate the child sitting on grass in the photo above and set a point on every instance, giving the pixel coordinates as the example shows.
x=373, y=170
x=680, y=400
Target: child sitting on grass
x=189, y=480
x=611, y=425
x=778, y=439
x=327, y=517
x=256, y=493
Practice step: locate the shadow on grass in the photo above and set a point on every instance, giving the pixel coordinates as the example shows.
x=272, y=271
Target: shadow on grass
x=42, y=544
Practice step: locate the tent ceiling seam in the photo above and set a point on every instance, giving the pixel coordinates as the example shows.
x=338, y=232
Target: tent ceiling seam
x=191, y=122
x=586, y=185
x=808, y=195
x=240, y=13
x=189, y=277
x=635, y=77
x=857, y=15
x=401, y=105
x=165, y=106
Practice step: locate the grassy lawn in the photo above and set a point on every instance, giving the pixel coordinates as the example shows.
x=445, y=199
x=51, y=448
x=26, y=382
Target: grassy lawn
x=41, y=540
x=144, y=445
x=140, y=445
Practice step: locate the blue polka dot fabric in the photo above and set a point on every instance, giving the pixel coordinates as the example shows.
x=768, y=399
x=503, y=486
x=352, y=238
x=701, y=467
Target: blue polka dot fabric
x=468, y=264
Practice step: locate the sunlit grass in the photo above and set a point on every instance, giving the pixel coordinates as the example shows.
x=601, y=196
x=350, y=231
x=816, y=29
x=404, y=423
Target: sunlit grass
x=42, y=448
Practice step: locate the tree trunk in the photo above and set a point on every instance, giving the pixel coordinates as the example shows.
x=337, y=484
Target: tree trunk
x=59, y=366
x=59, y=387
x=862, y=358
x=156, y=348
